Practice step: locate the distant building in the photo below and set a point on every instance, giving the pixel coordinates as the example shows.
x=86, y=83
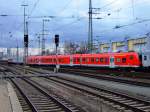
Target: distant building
x=1, y=55
x=138, y=44
x=8, y=52
x=118, y=46
x=105, y=47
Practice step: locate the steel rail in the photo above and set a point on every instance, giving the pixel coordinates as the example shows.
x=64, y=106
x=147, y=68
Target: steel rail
x=36, y=86
x=104, y=97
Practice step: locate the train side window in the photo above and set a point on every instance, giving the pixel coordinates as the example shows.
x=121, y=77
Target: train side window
x=50, y=60
x=86, y=60
x=74, y=59
x=118, y=60
x=97, y=59
x=83, y=59
x=37, y=60
x=46, y=60
x=59, y=60
x=92, y=59
x=123, y=60
x=106, y=60
x=63, y=60
x=101, y=59
x=78, y=59
x=131, y=57
x=145, y=58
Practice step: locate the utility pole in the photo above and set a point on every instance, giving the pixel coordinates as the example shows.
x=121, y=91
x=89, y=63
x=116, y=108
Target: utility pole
x=26, y=42
x=17, y=53
x=39, y=44
x=43, y=34
x=25, y=37
x=90, y=32
x=43, y=40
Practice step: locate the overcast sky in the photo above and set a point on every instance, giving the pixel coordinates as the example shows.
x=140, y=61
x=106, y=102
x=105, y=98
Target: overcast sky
x=71, y=20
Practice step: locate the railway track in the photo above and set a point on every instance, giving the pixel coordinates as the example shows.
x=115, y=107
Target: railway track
x=127, y=80
x=35, y=98
x=39, y=99
x=136, y=73
x=119, y=99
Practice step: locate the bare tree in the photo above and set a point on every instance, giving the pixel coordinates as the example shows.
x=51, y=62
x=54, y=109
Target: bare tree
x=70, y=47
x=83, y=47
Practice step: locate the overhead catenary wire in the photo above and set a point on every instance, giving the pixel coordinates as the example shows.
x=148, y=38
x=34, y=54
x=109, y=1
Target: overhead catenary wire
x=34, y=7
x=133, y=9
x=109, y=4
x=125, y=25
x=68, y=24
x=71, y=23
x=128, y=7
x=65, y=7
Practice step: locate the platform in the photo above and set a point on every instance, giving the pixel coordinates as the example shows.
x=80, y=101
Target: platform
x=8, y=99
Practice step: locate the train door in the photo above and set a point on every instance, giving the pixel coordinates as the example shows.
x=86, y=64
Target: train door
x=71, y=60
x=145, y=59
x=112, y=62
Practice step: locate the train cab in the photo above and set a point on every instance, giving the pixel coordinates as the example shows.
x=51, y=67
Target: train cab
x=128, y=59
x=146, y=59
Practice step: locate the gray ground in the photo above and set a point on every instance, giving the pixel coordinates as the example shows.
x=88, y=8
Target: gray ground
x=137, y=90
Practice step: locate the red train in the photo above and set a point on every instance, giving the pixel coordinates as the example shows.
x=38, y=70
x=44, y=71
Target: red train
x=112, y=60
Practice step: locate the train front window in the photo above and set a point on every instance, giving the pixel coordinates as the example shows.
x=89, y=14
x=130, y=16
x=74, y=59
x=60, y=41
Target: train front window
x=131, y=57
x=145, y=58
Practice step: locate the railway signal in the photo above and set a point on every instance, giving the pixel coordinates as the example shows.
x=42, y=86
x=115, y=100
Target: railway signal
x=26, y=40
x=57, y=44
x=57, y=40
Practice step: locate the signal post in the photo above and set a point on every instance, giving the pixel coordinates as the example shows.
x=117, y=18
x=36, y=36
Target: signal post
x=57, y=44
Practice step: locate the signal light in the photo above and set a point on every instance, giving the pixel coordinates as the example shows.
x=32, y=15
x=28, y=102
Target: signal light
x=26, y=40
x=57, y=40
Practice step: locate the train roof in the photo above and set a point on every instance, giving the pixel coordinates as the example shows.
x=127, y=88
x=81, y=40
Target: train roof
x=88, y=55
